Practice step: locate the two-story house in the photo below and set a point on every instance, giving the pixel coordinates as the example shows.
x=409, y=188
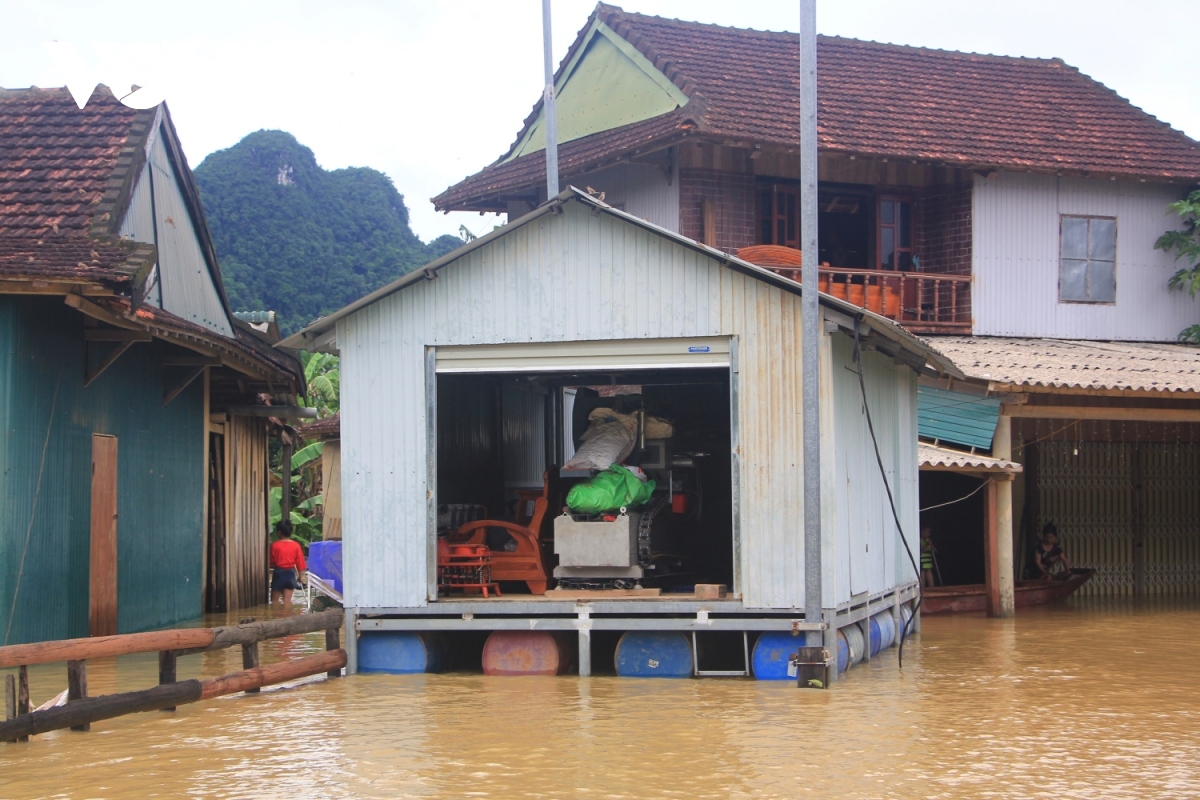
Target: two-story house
x=1005, y=207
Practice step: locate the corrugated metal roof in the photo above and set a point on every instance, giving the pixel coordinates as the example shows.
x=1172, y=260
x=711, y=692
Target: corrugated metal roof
x=1031, y=364
x=957, y=417
x=944, y=458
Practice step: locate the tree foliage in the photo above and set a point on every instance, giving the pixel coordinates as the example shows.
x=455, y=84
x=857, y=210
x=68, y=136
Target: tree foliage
x=301, y=240
x=1185, y=244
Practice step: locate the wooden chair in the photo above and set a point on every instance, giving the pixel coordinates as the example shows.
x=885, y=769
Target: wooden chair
x=527, y=562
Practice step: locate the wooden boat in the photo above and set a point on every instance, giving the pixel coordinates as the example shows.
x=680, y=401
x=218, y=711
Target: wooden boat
x=973, y=597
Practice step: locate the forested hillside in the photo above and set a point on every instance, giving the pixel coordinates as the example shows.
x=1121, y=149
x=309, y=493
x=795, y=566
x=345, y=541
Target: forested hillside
x=300, y=240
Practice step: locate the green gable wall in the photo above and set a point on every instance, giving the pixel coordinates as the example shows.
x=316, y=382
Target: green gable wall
x=606, y=85
x=47, y=419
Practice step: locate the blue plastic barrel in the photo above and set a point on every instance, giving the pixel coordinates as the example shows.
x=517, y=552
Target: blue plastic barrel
x=905, y=621
x=851, y=646
x=883, y=631
x=773, y=651
x=401, y=652
x=654, y=654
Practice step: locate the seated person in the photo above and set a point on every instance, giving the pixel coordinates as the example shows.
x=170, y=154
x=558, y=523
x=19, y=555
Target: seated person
x=1049, y=557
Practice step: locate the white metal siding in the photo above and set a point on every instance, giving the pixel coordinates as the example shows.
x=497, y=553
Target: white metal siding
x=570, y=278
x=867, y=555
x=643, y=190
x=188, y=290
x=1015, y=262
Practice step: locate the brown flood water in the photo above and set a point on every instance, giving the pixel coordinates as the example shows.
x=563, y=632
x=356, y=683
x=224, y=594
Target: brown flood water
x=1079, y=701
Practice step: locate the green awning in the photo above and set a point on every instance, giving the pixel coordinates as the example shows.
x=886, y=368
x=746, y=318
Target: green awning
x=957, y=417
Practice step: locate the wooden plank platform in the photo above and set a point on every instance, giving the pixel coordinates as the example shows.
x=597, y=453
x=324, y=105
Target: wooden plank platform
x=602, y=594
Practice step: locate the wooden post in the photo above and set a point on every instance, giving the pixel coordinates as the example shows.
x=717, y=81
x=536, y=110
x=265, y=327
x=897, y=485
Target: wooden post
x=333, y=641
x=991, y=559
x=167, y=661
x=77, y=688
x=1002, y=448
x=710, y=223
x=10, y=696
x=23, y=695
x=249, y=651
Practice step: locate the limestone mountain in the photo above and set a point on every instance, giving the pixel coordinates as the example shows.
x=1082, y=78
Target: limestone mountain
x=302, y=240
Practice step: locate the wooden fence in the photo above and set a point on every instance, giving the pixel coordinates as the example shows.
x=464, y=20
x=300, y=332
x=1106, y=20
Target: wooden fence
x=80, y=710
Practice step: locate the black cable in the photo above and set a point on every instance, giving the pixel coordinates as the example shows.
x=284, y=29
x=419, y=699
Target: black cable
x=862, y=385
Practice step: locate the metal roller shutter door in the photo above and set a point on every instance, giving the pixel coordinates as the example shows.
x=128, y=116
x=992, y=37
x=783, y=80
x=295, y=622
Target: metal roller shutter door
x=585, y=356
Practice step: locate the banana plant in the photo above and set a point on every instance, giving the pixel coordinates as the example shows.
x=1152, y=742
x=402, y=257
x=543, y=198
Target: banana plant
x=305, y=514
x=323, y=377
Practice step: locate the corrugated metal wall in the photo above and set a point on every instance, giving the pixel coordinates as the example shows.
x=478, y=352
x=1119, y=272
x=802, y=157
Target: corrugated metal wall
x=957, y=417
x=48, y=418
x=1015, y=261
x=138, y=225
x=188, y=290
x=1087, y=490
x=869, y=556
x=578, y=276
x=246, y=533
x=523, y=435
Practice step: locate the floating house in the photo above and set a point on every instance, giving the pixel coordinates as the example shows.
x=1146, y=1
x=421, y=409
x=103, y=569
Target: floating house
x=1007, y=206
x=466, y=386
x=133, y=430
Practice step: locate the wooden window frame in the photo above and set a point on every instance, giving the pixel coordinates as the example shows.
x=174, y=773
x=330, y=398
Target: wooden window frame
x=880, y=199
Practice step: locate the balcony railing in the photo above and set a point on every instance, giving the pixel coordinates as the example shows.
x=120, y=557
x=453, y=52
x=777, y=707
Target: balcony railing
x=923, y=302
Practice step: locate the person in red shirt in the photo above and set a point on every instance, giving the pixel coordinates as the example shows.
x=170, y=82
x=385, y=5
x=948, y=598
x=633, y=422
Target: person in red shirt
x=287, y=558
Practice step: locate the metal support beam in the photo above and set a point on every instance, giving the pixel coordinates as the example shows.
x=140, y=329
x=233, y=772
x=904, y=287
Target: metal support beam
x=810, y=310
x=549, y=116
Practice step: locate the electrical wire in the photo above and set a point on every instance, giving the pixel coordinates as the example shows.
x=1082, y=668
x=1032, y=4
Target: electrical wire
x=959, y=500
x=862, y=385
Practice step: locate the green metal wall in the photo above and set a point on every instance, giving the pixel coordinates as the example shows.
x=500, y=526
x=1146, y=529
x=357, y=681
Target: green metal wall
x=48, y=419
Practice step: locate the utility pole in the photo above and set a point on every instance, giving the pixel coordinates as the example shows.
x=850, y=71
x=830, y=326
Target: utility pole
x=811, y=312
x=549, y=120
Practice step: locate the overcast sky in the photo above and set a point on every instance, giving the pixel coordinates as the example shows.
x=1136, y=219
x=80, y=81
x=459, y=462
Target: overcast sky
x=430, y=92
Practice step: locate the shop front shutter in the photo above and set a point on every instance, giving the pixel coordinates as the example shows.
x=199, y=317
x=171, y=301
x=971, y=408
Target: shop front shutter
x=615, y=354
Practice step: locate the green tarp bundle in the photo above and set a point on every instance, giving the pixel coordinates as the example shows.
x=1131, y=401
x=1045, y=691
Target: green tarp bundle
x=611, y=489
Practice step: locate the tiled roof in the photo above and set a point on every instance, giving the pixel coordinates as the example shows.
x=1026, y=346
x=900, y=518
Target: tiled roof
x=874, y=99
x=1032, y=364
x=932, y=457
x=327, y=428
x=63, y=171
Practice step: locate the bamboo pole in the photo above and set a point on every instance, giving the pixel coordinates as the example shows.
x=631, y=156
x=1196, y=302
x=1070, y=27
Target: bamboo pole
x=83, y=712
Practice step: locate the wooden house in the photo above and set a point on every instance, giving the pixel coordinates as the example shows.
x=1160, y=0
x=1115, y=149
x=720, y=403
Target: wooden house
x=134, y=444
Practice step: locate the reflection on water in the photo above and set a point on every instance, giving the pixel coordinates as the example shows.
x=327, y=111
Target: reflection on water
x=1069, y=702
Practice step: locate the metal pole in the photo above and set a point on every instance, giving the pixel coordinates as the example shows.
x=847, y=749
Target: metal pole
x=811, y=311
x=549, y=120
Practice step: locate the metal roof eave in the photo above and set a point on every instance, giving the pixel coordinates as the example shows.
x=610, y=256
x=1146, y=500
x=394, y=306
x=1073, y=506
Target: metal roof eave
x=881, y=325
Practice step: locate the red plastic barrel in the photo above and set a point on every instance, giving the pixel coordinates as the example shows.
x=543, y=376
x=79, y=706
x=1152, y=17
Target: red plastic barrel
x=526, y=653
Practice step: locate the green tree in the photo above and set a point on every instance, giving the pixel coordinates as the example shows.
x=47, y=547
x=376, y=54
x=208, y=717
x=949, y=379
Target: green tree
x=300, y=240
x=323, y=377
x=1185, y=244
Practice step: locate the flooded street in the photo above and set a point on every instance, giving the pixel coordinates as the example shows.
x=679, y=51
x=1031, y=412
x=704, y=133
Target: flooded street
x=1079, y=701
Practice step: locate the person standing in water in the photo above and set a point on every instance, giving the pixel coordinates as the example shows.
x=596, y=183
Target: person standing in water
x=927, y=555
x=287, y=559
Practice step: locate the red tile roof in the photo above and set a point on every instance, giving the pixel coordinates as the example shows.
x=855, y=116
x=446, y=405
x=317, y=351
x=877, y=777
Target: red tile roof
x=62, y=174
x=874, y=99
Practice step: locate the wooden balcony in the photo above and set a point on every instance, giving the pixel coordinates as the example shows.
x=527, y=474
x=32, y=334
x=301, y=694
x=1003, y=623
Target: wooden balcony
x=923, y=302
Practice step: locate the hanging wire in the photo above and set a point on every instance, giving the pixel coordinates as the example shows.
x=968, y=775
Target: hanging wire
x=959, y=500
x=862, y=385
